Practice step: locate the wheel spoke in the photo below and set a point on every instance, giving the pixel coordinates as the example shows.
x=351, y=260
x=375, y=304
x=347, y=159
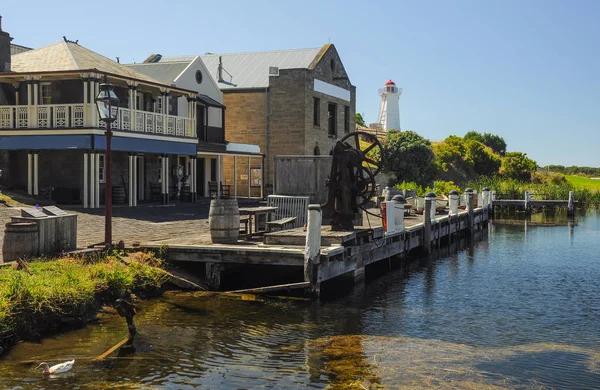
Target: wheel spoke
x=372, y=162
x=357, y=140
x=367, y=150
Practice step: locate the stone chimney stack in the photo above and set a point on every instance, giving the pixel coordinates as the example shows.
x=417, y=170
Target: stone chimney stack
x=4, y=49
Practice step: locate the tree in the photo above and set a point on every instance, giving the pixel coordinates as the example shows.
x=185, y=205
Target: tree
x=360, y=121
x=482, y=161
x=516, y=165
x=495, y=142
x=451, y=151
x=409, y=156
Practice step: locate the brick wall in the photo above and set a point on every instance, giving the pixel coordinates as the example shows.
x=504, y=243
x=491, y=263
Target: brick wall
x=245, y=122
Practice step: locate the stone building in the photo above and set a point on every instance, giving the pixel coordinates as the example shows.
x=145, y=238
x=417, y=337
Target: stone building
x=289, y=102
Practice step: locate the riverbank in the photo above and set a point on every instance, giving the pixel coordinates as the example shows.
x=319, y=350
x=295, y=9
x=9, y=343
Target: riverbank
x=49, y=296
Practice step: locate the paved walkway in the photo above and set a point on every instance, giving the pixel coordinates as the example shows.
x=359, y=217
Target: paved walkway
x=133, y=224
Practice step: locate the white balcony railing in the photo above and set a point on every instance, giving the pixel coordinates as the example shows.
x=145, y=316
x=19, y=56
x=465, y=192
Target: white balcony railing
x=65, y=116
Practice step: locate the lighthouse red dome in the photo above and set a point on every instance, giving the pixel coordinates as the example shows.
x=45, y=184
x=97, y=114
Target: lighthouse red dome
x=390, y=82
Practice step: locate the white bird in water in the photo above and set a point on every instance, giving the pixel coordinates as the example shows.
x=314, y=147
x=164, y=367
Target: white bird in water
x=62, y=367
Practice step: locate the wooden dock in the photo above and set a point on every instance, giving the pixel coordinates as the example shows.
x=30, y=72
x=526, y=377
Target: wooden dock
x=528, y=203
x=340, y=253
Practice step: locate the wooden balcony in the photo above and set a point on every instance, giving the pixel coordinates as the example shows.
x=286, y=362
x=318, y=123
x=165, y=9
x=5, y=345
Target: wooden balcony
x=73, y=116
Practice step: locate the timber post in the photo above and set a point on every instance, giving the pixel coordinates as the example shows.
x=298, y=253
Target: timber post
x=492, y=199
x=429, y=204
x=485, y=192
x=470, y=206
x=453, y=202
x=571, y=204
x=527, y=202
x=312, y=248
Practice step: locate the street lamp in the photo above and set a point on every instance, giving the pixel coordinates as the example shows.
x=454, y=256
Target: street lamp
x=107, y=103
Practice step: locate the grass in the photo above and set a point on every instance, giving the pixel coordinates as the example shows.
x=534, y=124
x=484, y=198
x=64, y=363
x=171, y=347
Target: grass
x=580, y=182
x=69, y=290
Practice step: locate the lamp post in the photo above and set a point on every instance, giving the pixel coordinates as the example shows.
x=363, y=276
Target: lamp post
x=107, y=104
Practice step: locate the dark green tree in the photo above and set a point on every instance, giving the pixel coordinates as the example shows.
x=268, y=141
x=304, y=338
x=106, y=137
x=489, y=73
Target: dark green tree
x=495, y=142
x=516, y=165
x=360, y=121
x=409, y=156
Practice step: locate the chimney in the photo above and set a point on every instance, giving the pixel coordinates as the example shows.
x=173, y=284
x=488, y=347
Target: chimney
x=4, y=49
x=220, y=70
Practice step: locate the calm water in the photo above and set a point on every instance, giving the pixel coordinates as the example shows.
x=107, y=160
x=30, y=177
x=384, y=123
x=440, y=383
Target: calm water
x=519, y=309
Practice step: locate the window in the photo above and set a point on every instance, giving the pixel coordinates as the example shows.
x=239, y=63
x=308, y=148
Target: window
x=316, y=112
x=199, y=77
x=346, y=119
x=46, y=93
x=158, y=107
x=332, y=65
x=101, y=170
x=332, y=120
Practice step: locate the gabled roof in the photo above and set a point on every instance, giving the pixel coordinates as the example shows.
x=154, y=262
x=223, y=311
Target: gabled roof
x=69, y=56
x=251, y=70
x=166, y=73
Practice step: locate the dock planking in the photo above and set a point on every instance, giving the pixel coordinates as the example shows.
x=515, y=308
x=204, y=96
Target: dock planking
x=340, y=252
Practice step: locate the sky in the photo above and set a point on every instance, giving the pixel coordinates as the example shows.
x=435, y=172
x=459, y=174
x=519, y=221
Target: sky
x=526, y=70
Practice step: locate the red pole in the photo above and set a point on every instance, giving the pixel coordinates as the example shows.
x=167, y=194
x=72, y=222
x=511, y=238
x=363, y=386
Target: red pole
x=108, y=189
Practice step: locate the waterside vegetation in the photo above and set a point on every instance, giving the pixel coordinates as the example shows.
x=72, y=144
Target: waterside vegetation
x=45, y=296
x=477, y=161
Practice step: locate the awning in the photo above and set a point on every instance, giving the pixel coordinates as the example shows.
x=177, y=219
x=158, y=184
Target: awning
x=207, y=100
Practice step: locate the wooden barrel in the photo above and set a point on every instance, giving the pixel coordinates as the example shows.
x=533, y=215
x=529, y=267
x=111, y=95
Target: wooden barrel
x=224, y=221
x=20, y=241
x=118, y=194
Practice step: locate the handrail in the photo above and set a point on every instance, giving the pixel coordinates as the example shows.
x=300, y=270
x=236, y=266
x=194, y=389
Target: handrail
x=78, y=115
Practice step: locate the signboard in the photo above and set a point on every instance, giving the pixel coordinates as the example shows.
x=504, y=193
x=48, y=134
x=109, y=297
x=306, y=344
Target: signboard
x=53, y=210
x=32, y=213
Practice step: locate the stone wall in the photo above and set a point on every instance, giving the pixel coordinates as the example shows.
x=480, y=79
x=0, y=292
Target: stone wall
x=289, y=101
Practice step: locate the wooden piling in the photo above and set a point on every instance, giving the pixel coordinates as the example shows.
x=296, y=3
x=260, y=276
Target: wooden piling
x=312, y=248
x=429, y=203
x=527, y=202
x=470, y=208
x=571, y=204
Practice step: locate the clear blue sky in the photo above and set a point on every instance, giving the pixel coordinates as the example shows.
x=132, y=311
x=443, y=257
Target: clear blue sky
x=527, y=70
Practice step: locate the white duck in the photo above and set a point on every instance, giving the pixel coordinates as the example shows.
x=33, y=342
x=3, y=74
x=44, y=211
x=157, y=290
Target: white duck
x=62, y=367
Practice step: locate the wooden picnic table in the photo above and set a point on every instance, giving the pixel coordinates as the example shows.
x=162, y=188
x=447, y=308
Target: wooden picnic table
x=255, y=213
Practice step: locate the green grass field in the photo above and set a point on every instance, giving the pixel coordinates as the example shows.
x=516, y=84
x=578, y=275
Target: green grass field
x=584, y=182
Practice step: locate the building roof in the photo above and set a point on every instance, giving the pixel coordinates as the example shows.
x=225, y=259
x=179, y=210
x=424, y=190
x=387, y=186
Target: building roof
x=251, y=70
x=16, y=49
x=164, y=72
x=390, y=82
x=69, y=56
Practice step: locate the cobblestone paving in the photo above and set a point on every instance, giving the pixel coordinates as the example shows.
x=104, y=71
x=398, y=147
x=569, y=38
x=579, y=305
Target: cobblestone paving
x=133, y=224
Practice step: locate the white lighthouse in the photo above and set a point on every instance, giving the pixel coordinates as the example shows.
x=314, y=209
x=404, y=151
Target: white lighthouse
x=389, y=113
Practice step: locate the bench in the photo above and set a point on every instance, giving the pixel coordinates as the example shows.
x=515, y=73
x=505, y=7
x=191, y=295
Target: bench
x=291, y=211
x=213, y=189
x=281, y=223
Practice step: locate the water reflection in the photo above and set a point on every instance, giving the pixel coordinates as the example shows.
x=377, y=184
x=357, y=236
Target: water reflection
x=507, y=310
